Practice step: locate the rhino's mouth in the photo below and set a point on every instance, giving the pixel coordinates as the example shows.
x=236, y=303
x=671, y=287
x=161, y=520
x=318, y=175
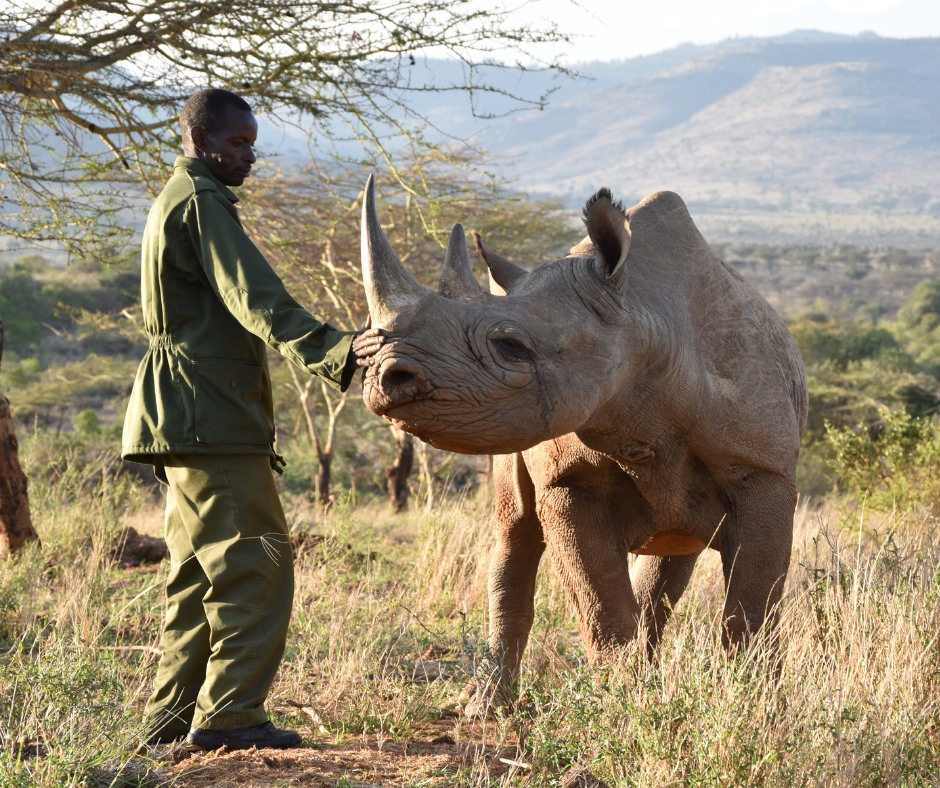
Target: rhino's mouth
x=456, y=435
x=381, y=405
x=447, y=424
x=419, y=417
x=403, y=414
x=409, y=417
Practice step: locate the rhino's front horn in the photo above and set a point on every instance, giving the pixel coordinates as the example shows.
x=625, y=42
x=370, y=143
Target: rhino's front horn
x=457, y=280
x=388, y=284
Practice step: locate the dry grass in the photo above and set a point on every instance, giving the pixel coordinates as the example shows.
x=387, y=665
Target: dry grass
x=389, y=619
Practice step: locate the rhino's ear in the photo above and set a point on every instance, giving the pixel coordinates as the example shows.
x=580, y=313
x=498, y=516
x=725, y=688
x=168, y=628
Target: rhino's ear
x=609, y=233
x=502, y=272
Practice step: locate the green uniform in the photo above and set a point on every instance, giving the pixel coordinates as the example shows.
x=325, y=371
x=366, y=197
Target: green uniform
x=210, y=304
x=201, y=411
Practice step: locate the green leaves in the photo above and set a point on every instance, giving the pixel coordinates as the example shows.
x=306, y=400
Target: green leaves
x=890, y=464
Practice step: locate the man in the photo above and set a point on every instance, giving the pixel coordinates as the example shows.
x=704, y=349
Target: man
x=201, y=411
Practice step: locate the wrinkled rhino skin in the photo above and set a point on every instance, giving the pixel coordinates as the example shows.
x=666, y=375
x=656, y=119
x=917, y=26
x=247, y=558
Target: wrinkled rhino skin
x=640, y=397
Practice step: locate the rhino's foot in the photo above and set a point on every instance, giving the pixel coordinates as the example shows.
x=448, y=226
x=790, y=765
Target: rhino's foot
x=485, y=699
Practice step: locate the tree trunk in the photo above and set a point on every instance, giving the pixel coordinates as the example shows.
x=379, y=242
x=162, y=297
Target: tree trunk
x=424, y=456
x=396, y=477
x=325, y=451
x=487, y=471
x=324, y=480
x=16, y=526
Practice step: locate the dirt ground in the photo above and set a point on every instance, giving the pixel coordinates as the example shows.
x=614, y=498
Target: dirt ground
x=436, y=756
x=450, y=751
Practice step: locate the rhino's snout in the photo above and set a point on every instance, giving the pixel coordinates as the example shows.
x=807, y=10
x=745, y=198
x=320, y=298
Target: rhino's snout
x=397, y=381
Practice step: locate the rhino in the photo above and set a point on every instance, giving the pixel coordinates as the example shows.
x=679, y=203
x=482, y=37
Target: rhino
x=643, y=404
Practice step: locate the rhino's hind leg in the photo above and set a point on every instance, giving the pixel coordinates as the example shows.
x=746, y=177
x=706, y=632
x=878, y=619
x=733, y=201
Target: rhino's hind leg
x=658, y=582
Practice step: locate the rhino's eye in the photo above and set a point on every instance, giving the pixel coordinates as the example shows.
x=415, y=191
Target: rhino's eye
x=512, y=349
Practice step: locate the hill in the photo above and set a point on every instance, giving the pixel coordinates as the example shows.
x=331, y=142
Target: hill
x=808, y=137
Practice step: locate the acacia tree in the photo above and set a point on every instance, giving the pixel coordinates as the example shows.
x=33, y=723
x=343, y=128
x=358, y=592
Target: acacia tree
x=307, y=223
x=90, y=89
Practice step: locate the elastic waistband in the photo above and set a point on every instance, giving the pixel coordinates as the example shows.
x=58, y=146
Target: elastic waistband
x=162, y=340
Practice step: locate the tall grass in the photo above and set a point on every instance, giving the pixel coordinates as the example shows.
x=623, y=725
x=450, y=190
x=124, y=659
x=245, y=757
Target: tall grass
x=75, y=634
x=389, y=618
x=857, y=702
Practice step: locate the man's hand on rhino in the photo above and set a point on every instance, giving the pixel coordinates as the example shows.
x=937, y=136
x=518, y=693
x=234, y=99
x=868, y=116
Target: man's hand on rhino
x=366, y=344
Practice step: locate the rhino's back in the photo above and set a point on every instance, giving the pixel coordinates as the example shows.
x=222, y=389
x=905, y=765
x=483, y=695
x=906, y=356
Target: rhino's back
x=736, y=351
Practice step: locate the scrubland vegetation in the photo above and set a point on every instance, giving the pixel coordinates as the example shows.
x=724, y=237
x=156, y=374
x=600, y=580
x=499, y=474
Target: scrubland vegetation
x=389, y=621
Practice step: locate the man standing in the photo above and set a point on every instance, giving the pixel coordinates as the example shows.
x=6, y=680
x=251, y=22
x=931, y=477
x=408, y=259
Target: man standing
x=201, y=411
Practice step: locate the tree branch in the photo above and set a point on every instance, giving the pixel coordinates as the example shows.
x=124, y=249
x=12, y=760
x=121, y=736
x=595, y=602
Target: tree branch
x=84, y=71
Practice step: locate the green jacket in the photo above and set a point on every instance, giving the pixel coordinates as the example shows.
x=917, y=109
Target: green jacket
x=210, y=304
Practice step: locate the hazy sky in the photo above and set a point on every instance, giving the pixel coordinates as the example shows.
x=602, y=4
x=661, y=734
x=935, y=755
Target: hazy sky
x=615, y=29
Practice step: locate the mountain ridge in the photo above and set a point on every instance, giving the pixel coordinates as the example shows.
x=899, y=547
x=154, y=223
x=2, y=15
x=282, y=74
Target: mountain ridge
x=805, y=123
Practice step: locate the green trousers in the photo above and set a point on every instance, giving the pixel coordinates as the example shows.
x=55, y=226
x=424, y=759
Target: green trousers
x=228, y=594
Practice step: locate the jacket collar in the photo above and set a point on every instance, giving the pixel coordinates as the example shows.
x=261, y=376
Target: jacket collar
x=196, y=167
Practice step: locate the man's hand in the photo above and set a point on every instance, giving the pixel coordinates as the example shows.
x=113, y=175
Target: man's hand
x=366, y=344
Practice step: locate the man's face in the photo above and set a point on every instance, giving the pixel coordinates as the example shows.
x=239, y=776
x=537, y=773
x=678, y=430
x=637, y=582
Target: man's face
x=228, y=151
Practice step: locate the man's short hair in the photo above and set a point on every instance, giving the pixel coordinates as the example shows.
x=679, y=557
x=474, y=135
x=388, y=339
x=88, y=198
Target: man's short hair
x=208, y=108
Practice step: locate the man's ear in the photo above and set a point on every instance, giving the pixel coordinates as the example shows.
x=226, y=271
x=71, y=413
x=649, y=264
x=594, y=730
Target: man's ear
x=197, y=138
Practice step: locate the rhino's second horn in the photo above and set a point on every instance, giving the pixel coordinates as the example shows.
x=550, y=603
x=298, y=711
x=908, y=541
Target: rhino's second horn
x=457, y=279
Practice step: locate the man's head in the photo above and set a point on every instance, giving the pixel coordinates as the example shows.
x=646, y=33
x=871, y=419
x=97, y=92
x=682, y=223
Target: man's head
x=219, y=129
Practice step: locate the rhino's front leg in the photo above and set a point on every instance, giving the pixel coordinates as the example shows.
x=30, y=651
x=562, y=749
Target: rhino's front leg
x=584, y=532
x=755, y=544
x=514, y=563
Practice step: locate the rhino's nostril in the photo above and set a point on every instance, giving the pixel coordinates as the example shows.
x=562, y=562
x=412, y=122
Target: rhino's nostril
x=397, y=379
x=400, y=379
